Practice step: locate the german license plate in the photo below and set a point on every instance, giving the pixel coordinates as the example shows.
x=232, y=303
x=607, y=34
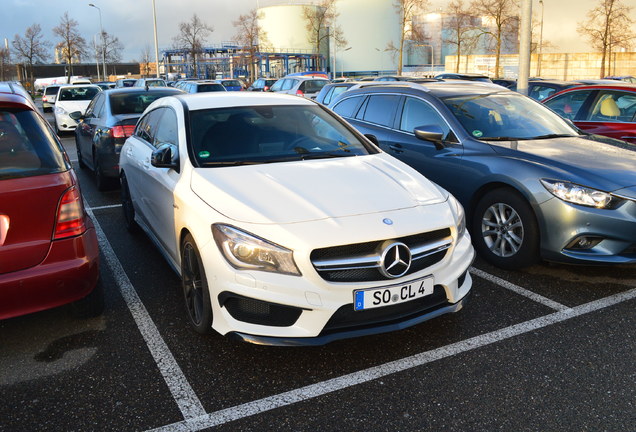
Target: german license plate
x=393, y=294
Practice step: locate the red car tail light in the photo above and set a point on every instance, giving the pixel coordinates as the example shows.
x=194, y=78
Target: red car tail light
x=122, y=131
x=300, y=93
x=70, y=215
x=266, y=88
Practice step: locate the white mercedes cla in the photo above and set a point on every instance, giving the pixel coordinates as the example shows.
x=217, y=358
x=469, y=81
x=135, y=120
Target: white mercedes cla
x=286, y=225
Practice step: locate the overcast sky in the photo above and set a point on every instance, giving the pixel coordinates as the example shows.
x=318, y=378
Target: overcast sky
x=131, y=20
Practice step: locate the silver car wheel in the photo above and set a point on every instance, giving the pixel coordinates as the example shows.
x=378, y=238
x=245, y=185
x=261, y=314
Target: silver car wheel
x=502, y=230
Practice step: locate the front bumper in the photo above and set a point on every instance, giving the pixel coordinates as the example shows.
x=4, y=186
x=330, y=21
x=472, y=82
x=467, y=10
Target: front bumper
x=562, y=223
x=65, y=123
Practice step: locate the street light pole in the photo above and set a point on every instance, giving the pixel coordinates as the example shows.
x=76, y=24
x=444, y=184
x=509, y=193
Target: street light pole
x=96, y=57
x=154, y=20
x=540, y=42
x=342, y=63
x=101, y=31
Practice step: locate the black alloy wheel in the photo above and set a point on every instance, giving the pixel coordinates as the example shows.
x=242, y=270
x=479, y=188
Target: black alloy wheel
x=504, y=229
x=195, y=287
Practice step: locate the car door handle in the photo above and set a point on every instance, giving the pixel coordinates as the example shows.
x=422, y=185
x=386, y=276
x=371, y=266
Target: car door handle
x=397, y=148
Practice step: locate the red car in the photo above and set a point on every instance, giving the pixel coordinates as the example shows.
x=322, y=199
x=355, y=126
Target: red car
x=608, y=110
x=48, y=245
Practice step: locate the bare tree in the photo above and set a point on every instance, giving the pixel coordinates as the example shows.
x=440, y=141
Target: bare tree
x=608, y=26
x=5, y=61
x=192, y=35
x=504, y=15
x=31, y=49
x=251, y=36
x=112, y=48
x=463, y=29
x=72, y=46
x=144, y=61
x=318, y=19
x=406, y=10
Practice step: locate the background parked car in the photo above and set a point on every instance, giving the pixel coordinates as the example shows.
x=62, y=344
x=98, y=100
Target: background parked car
x=463, y=76
x=150, y=82
x=110, y=119
x=231, y=84
x=330, y=91
x=48, y=246
x=125, y=82
x=200, y=86
x=626, y=78
x=308, y=87
x=275, y=190
x=608, y=110
x=531, y=184
x=71, y=99
x=262, y=84
x=542, y=89
x=48, y=97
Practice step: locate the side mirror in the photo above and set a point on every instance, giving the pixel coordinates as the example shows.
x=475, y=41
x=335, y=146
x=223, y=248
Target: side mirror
x=431, y=133
x=373, y=139
x=165, y=157
x=76, y=115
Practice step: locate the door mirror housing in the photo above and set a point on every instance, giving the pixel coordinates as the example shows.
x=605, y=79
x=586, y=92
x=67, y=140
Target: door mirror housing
x=373, y=139
x=431, y=133
x=76, y=115
x=165, y=157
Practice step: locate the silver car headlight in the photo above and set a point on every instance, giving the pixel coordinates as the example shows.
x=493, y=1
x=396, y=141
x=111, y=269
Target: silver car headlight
x=247, y=252
x=59, y=110
x=460, y=215
x=577, y=194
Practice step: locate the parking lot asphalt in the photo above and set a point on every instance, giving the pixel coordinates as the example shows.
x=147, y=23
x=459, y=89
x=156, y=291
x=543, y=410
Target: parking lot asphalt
x=549, y=348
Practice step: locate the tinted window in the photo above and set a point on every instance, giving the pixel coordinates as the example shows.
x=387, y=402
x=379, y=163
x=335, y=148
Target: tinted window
x=27, y=147
x=346, y=107
x=148, y=125
x=381, y=109
x=135, y=103
x=567, y=105
x=96, y=106
x=167, y=131
x=288, y=84
x=540, y=92
x=231, y=83
x=202, y=88
x=335, y=91
x=314, y=86
x=51, y=90
x=417, y=113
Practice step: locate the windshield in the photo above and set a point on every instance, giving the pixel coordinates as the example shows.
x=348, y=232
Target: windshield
x=78, y=93
x=266, y=134
x=506, y=116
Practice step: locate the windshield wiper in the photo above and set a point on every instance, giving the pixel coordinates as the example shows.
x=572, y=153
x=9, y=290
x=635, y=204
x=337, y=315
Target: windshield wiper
x=230, y=163
x=325, y=155
x=502, y=138
x=553, y=136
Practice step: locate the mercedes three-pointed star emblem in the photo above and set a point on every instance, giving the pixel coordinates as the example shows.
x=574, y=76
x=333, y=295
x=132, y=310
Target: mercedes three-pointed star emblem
x=396, y=260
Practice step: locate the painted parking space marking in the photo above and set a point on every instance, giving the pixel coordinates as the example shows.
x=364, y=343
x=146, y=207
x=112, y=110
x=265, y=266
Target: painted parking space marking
x=517, y=289
x=183, y=394
x=323, y=388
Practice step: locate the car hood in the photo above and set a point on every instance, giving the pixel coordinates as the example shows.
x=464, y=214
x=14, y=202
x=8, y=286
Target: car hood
x=72, y=106
x=292, y=192
x=608, y=165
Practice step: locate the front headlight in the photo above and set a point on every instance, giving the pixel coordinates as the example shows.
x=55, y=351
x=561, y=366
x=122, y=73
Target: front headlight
x=248, y=252
x=581, y=195
x=460, y=215
x=60, y=110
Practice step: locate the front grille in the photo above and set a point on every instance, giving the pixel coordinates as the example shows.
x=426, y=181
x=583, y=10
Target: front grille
x=346, y=318
x=360, y=262
x=260, y=312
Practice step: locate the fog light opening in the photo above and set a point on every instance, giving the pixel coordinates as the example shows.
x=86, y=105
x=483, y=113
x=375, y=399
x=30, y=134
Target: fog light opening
x=584, y=242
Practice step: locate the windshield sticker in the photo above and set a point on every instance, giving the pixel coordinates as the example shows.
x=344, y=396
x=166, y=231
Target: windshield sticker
x=477, y=133
x=204, y=154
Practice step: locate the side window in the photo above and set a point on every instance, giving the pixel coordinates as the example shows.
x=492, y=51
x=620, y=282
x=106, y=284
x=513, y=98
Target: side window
x=613, y=106
x=99, y=105
x=568, y=105
x=167, y=131
x=417, y=113
x=346, y=107
x=381, y=109
x=148, y=125
x=540, y=92
x=277, y=85
x=328, y=96
x=288, y=84
x=91, y=107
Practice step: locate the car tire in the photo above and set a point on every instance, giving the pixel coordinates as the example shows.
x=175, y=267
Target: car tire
x=103, y=183
x=195, y=287
x=127, y=206
x=92, y=305
x=80, y=159
x=505, y=230
x=58, y=132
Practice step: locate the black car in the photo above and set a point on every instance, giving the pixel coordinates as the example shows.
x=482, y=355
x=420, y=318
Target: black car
x=464, y=77
x=111, y=118
x=541, y=89
x=262, y=84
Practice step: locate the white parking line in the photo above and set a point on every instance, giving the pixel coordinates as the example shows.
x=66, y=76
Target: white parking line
x=322, y=388
x=104, y=207
x=517, y=289
x=182, y=392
